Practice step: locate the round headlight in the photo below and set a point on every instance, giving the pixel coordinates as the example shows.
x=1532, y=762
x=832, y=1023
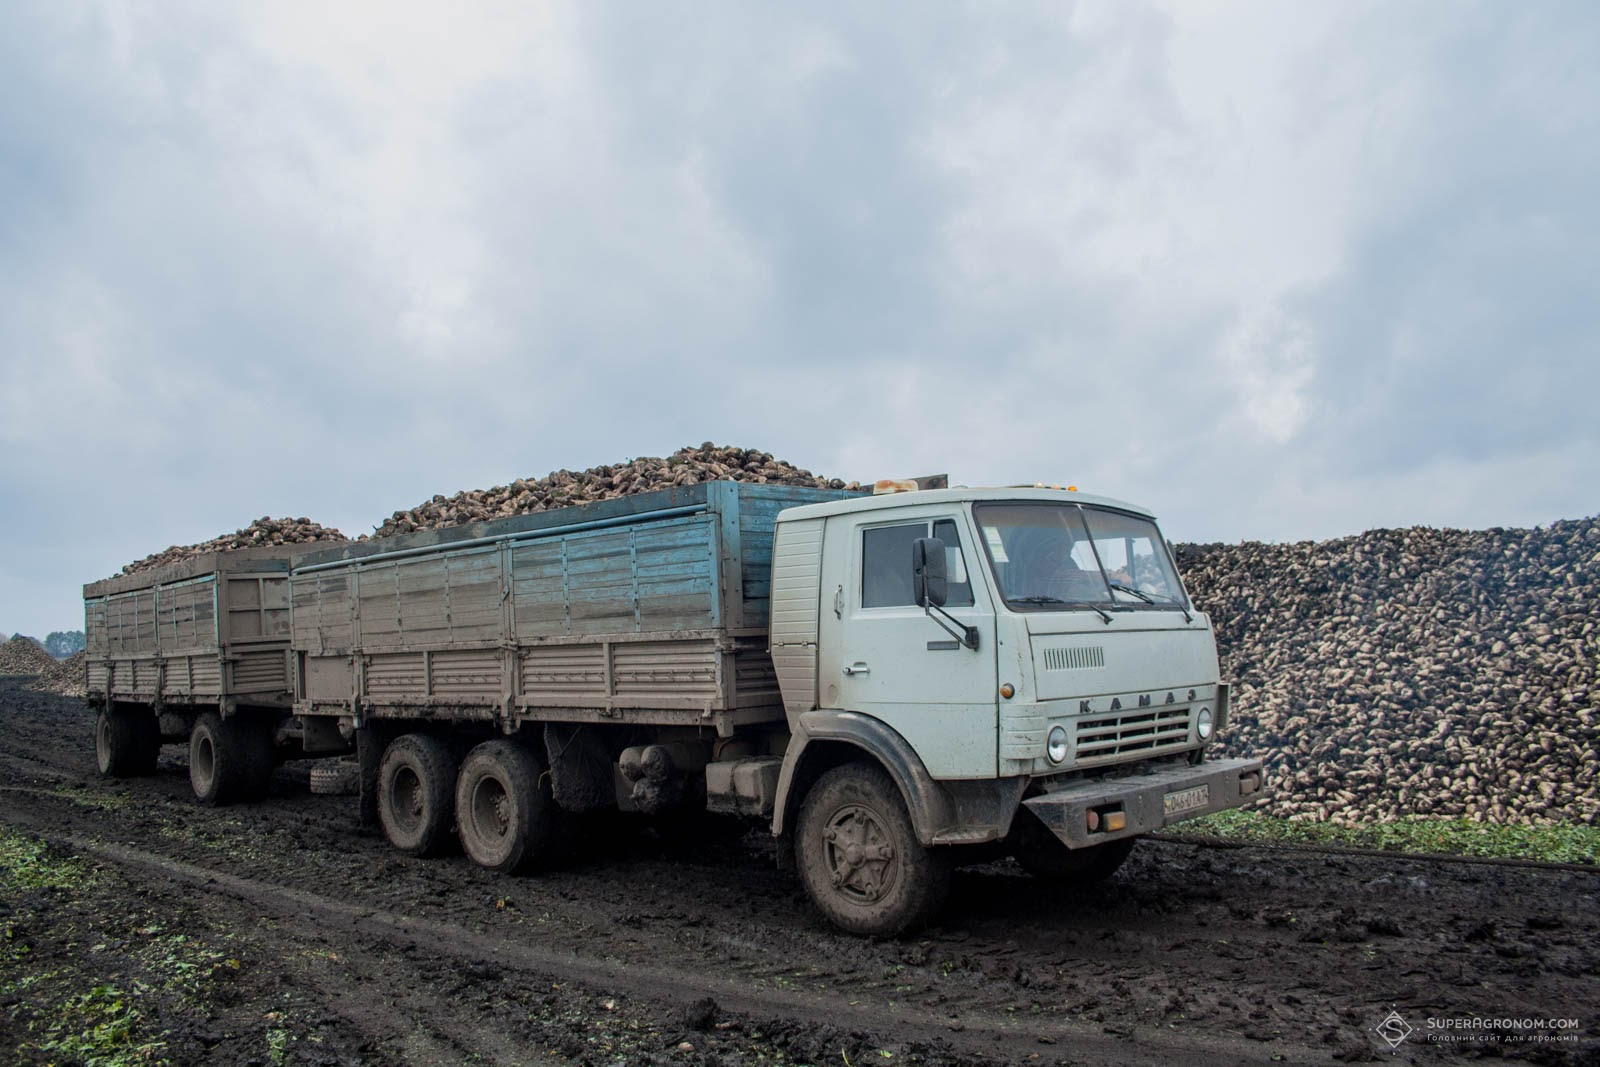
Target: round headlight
x=1202, y=724
x=1055, y=746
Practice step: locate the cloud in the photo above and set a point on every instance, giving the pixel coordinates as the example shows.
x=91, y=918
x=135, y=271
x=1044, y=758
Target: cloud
x=1276, y=271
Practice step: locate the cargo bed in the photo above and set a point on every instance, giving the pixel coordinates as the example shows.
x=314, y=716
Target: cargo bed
x=647, y=609
x=208, y=631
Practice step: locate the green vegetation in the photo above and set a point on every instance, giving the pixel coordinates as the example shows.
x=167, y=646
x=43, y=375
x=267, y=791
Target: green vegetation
x=1554, y=843
x=100, y=1029
x=28, y=863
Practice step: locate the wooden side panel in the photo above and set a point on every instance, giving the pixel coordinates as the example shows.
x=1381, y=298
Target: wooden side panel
x=670, y=670
x=94, y=624
x=186, y=618
x=755, y=677
x=266, y=671
x=564, y=675
x=322, y=615
x=600, y=582
x=206, y=672
x=758, y=514
x=472, y=676
x=131, y=623
x=378, y=606
x=655, y=576
x=257, y=608
x=329, y=679
x=539, y=590
x=675, y=573
x=396, y=676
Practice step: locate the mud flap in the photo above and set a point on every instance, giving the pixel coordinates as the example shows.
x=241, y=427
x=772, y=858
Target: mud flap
x=370, y=744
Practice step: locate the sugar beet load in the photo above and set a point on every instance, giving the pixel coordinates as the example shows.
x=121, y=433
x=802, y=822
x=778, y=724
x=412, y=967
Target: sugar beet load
x=895, y=684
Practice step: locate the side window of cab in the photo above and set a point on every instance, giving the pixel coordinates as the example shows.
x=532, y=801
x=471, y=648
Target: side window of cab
x=886, y=564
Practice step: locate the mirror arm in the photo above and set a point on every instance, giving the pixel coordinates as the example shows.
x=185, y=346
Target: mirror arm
x=967, y=635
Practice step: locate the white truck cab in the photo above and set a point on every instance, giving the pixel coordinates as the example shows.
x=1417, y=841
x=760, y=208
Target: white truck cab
x=990, y=650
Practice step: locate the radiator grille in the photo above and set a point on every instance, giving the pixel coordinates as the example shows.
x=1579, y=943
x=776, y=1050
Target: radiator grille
x=1144, y=731
x=1084, y=657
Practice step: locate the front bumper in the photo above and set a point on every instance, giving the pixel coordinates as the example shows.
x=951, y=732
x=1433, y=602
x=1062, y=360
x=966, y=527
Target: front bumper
x=1142, y=799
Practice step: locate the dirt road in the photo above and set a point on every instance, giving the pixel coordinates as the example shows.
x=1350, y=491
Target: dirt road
x=284, y=933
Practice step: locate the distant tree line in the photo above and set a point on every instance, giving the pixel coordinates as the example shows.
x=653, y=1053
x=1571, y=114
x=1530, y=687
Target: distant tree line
x=60, y=644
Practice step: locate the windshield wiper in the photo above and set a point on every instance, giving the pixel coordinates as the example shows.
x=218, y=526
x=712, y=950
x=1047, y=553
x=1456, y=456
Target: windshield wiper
x=1131, y=591
x=1149, y=600
x=1057, y=600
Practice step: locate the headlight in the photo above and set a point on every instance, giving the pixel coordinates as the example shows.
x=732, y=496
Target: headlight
x=1055, y=746
x=1202, y=724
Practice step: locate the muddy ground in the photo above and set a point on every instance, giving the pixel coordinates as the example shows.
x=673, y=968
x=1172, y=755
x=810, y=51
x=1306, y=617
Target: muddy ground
x=285, y=933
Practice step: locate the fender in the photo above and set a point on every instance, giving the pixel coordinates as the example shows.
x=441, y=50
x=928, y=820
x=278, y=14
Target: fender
x=956, y=812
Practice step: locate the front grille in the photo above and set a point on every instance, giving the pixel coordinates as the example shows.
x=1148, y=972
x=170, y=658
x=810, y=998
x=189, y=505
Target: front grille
x=1143, y=731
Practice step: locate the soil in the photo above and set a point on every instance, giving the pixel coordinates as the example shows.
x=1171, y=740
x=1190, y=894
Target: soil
x=283, y=932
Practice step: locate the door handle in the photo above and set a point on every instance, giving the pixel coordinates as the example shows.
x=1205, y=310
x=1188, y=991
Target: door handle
x=858, y=668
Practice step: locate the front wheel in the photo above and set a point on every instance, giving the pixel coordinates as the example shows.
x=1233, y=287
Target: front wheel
x=859, y=856
x=505, y=814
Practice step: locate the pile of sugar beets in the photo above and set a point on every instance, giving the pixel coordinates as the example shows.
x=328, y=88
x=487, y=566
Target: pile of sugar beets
x=686, y=466
x=23, y=655
x=1398, y=672
x=1414, y=672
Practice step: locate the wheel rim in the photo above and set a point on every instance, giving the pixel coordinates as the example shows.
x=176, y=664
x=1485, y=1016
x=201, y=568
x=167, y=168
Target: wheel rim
x=861, y=857
x=102, y=743
x=406, y=800
x=491, y=809
x=204, y=758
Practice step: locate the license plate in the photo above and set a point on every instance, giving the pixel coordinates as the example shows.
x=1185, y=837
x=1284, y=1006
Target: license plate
x=1186, y=800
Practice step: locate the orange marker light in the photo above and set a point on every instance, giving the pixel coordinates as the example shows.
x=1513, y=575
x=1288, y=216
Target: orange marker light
x=1008, y=691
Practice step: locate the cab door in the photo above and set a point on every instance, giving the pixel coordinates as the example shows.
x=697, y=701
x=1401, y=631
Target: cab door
x=882, y=655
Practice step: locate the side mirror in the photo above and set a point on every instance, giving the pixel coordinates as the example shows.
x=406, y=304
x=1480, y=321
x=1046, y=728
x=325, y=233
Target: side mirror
x=930, y=583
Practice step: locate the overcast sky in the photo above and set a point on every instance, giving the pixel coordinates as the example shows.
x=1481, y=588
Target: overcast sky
x=1277, y=271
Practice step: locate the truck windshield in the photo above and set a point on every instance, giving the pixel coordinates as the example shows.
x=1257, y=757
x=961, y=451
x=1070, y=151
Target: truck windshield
x=1048, y=557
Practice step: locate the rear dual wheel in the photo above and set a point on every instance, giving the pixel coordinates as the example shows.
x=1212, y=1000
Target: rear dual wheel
x=417, y=794
x=127, y=741
x=505, y=813
x=229, y=759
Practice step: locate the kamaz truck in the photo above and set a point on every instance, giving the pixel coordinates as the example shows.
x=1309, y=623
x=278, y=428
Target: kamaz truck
x=894, y=684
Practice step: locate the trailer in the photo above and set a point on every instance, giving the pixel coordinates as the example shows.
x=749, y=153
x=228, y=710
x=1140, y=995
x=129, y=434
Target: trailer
x=198, y=652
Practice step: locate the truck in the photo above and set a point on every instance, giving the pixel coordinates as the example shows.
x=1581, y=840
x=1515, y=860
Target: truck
x=893, y=684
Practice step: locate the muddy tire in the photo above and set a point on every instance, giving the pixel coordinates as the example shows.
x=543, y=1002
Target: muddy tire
x=859, y=856
x=505, y=814
x=229, y=760
x=417, y=794
x=126, y=742
x=1043, y=856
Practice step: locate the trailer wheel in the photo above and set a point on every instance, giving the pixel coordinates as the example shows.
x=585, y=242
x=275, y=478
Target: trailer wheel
x=505, y=813
x=417, y=794
x=1042, y=855
x=859, y=856
x=229, y=760
x=126, y=742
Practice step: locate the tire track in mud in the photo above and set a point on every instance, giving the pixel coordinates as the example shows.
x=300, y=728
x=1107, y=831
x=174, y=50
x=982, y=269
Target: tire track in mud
x=1235, y=953
x=975, y=1036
